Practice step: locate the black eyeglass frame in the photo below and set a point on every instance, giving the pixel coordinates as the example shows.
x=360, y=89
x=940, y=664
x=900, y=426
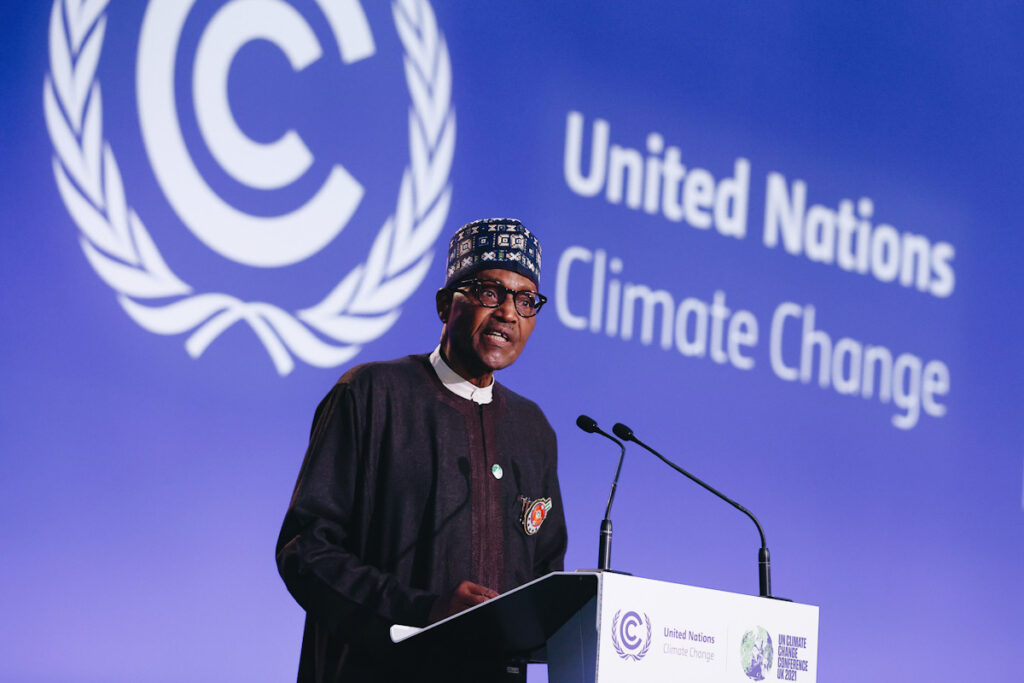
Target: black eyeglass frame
x=473, y=284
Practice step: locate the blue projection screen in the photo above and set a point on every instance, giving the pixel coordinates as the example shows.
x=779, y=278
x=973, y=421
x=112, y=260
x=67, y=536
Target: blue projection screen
x=781, y=242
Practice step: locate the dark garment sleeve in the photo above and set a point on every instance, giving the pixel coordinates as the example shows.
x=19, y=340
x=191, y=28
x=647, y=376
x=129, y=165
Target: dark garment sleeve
x=319, y=550
x=550, y=556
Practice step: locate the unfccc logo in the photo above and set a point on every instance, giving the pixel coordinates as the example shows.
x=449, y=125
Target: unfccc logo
x=631, y=635
x=365, y=303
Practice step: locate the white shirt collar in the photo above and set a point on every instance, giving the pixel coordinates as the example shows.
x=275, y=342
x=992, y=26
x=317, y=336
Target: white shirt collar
x=455, y=383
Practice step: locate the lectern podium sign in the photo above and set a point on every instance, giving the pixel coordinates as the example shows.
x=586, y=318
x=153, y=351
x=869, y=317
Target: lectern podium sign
x=656, y=631
x=601, y=627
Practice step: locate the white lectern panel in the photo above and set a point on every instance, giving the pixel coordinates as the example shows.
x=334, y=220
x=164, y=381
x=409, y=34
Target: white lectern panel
x=656, y=631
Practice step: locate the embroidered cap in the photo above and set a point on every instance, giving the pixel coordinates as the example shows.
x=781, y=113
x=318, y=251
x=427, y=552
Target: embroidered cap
x=493, y=243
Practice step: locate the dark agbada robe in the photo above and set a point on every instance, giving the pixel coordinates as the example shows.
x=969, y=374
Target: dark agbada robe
x=396, y=504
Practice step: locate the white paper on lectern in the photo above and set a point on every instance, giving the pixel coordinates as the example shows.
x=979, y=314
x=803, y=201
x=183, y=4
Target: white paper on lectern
x=400, y=632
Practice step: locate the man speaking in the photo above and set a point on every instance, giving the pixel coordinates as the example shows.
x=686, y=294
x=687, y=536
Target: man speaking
x=427, y=487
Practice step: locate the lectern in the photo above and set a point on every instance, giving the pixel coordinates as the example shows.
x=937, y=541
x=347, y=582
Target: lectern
x=600, y=627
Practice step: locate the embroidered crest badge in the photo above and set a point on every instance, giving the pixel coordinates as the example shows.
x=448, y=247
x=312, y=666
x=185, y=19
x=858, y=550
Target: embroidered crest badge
x=534, y=513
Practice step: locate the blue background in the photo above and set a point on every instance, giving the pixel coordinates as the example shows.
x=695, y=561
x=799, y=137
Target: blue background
x=141, y=490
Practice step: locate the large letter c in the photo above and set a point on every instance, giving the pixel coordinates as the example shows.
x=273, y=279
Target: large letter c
x=252, y=240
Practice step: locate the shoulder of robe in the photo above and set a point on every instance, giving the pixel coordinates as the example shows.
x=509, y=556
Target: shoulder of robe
x=524, y=407
x=382, y=373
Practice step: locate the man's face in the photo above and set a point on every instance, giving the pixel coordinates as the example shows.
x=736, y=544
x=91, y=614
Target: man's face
x=477, y=340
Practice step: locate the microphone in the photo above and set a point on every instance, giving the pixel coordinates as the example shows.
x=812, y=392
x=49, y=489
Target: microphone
x=604, y=547
x=764, y=572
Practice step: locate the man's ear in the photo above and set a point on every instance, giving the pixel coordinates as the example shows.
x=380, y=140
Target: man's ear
x=443, y=300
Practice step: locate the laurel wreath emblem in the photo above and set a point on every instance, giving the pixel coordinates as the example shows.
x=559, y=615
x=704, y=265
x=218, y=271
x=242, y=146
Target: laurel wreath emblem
x=360, y=308
x=635, y=656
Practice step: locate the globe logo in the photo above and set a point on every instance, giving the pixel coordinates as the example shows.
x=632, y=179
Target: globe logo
x=757, y=654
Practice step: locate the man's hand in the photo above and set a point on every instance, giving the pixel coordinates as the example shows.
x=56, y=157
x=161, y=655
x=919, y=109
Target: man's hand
x=466, y=595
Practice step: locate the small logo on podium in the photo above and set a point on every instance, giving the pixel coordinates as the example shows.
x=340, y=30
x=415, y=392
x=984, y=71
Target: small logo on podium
x=626, y=635
x=757, y=654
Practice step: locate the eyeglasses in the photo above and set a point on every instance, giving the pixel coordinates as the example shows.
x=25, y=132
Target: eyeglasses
x=491, y=294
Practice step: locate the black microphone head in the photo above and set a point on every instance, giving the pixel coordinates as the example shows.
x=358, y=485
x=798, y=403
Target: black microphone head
x=587, y=424
x=622, y=431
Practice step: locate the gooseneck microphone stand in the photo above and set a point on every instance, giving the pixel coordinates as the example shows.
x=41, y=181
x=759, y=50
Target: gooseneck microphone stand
x=604, y=546
x=764, y=571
